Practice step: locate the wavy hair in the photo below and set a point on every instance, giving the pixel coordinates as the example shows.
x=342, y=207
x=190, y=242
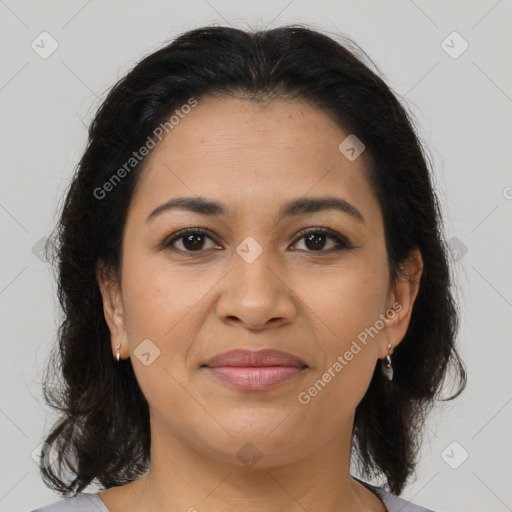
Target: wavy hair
x=102, y=434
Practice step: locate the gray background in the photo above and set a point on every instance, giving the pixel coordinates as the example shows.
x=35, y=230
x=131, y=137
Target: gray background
x=462, y=107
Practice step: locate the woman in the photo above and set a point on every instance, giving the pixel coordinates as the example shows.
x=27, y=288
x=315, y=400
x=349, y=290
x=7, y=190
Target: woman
x=255, y=285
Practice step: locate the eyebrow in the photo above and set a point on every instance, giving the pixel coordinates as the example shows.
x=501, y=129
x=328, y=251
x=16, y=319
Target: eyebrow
x=295, y=207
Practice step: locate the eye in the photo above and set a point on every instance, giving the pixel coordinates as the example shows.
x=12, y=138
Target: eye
x=190, y=239
x=316, y=239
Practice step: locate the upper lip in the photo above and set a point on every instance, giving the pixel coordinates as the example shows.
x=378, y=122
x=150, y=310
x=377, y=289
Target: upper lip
x=252, y=358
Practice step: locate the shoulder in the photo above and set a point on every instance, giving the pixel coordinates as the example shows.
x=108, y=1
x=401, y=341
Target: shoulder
x=395, y=503
x=80, y=503
x=392, y=502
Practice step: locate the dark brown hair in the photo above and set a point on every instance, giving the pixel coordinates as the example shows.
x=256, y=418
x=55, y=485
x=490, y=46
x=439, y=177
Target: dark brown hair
x=102, y=436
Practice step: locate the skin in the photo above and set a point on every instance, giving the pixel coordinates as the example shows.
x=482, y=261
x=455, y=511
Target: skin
x=253, y=157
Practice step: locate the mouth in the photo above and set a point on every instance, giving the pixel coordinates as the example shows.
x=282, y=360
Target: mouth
x=255, y=370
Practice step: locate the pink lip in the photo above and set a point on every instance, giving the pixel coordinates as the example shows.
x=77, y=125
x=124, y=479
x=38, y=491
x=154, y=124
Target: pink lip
x=255, y=370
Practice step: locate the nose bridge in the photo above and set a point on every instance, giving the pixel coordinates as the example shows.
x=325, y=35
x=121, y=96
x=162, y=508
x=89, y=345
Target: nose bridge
x=253, y=275
x=255, y=292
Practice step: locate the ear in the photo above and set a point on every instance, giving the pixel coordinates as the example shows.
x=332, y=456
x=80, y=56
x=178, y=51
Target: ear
x=400, y=302
x=113, y=308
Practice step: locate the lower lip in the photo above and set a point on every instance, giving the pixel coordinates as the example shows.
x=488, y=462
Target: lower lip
x=256, y=378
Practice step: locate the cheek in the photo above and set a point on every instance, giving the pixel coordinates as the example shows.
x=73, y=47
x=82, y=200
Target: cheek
x=161, y=305
x=157, y=296
x=347, y=306
x=350, y=351
x=346, y=300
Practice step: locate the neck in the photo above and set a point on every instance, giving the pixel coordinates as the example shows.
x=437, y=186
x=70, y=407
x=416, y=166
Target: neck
x=182, y=479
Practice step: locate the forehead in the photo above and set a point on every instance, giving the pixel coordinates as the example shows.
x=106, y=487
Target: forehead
x=251, y=154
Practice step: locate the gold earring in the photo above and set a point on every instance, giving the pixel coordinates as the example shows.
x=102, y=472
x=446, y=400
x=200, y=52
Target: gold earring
x=118, y=354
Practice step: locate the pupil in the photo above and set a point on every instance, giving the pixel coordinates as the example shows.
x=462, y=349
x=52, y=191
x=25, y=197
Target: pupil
x=189, y=239
x=320, y=240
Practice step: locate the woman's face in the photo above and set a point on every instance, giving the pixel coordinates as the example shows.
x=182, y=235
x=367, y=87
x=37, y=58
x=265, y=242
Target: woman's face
x=255, y=282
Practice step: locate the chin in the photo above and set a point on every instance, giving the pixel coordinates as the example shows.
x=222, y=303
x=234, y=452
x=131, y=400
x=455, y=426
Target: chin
x=259, y=440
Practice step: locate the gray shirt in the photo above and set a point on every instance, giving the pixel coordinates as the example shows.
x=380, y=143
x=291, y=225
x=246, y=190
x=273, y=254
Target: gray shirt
x=93, y=503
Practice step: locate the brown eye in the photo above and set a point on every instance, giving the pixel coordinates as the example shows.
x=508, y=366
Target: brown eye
x=190, y=240
x=193, y=242
x=319, y=240
x=316, y=240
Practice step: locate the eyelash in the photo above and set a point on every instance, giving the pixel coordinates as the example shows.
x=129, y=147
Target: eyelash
x=342, y=242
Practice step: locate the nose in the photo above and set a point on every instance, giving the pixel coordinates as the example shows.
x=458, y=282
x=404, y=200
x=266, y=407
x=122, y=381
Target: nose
x=257, y=295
